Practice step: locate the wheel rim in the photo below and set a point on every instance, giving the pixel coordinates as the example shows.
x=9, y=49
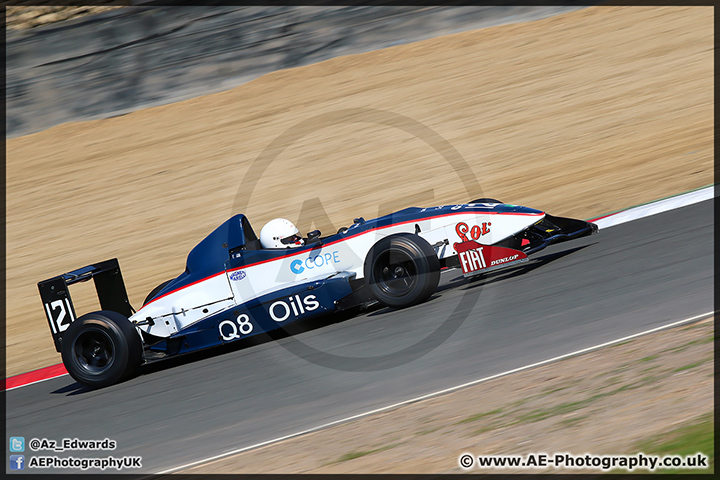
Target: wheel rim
x=395, y=272
x=93, y=351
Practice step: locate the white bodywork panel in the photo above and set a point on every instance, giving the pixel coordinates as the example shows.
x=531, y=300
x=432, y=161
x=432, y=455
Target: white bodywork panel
x=226, y=289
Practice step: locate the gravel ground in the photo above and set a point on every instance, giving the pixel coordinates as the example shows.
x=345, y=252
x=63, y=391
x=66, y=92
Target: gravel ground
x=579, y=115
x=602, y=402
x=20, y=16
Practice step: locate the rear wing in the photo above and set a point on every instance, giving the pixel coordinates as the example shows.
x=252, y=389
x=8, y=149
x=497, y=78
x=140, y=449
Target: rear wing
x=58, y=306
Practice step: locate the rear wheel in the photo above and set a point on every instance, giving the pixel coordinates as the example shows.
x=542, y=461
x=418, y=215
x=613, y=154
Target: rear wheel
x=402, y=270
x=101, y=348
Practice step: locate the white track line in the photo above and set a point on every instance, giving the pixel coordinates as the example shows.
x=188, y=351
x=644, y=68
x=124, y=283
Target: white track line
x=434, y=394
x=678, y=201
x=36, y=381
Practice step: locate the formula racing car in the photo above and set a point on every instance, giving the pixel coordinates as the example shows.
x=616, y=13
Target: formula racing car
x=233, y=287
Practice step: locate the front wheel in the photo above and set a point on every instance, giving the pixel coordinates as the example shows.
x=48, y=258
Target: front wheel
x=101, y=348
x=486, y=200
x=402, y=270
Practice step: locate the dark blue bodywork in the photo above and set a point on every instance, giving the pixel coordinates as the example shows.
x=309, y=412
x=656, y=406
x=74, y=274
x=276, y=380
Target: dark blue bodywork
x=309, y=300
x=235, y=241
x=234, y=245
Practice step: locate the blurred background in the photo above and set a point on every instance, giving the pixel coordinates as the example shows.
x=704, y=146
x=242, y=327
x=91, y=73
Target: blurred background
x=131, y=131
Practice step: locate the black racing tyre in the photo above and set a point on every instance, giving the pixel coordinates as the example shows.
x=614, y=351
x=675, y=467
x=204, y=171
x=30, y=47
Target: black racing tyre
x=486, y=200
x=402, y=270
x=101, y=348
x=155, y=291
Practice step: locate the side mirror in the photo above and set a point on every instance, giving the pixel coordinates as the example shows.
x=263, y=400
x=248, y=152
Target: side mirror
x=313, y=235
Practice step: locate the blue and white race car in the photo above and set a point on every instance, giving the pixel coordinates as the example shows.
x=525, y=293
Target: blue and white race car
x=236, y=285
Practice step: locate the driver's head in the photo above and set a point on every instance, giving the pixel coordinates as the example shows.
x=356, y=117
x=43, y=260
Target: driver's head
x=280, y=233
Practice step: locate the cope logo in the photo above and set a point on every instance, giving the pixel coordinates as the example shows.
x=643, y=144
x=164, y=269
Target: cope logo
x=298, y=266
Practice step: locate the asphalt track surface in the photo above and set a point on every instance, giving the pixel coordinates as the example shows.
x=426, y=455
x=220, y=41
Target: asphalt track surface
x=624, y=280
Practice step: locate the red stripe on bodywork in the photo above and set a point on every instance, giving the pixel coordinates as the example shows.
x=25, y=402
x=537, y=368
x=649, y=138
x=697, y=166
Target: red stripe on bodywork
x=369, y=231
x=293, y=254
x=35, y=376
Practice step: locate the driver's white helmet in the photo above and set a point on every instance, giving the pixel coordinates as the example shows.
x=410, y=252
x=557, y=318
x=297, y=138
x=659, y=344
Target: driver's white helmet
x=280, y=233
